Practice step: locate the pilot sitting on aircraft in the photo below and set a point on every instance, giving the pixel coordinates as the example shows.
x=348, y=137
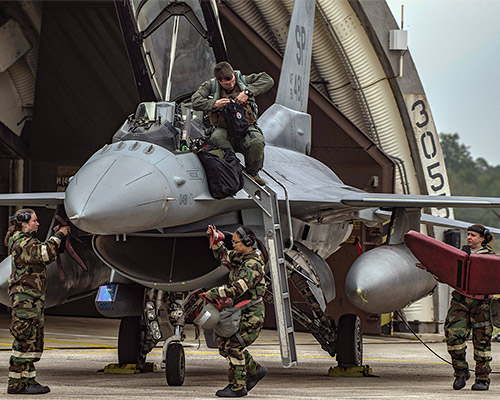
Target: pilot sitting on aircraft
x=246, y=286
x=214, y=94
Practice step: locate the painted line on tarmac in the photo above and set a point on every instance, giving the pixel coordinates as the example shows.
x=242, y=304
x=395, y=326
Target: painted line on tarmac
x=81, y=344
x=70, y=335
x=275, y=355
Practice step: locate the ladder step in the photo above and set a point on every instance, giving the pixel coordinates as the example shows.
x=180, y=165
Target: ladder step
x=266, y=199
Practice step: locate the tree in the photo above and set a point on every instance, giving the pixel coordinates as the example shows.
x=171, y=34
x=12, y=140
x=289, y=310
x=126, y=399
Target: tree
x=469, y=177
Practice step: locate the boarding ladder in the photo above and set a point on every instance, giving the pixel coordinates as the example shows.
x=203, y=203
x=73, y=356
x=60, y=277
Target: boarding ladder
x=267, y=200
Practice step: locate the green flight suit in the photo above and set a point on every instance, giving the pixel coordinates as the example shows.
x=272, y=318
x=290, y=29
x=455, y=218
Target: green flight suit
x=252, y=144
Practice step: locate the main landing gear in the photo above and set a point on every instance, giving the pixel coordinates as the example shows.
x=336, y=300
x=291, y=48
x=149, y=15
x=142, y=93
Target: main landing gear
x=132, y=338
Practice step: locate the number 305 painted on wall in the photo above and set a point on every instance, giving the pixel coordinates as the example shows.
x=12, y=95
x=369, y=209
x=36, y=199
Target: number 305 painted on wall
x=430, y=150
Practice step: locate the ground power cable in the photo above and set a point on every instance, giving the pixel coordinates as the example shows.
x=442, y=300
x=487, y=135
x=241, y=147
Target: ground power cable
x=425, y=344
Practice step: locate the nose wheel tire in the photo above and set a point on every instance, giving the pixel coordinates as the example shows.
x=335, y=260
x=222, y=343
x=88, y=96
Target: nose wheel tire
x=349, y=341
x=175, y=364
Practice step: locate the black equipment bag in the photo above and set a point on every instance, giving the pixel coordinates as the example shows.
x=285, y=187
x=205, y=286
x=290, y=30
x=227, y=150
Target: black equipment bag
x=224, y=175
x=234, y=116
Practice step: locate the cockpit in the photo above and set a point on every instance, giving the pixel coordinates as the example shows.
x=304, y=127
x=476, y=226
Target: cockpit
x=174, y=38
x=178, y=42
x=171, y=125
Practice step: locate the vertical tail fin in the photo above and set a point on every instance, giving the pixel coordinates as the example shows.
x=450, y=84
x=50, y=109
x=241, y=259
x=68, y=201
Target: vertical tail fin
x=293, y=89
x=286, y=123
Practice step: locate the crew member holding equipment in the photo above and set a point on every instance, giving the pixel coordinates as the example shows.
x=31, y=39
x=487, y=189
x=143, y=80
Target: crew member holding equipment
x=246, y=287
x=471, y=312
x=27, y=287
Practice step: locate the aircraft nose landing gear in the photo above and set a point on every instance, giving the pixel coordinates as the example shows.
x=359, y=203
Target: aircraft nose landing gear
x=175, y=362
x=173, y=358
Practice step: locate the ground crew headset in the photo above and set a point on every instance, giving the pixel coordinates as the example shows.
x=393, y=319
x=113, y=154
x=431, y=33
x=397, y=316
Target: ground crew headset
x=21, y=217
x=483, y=232
x=487, y=234
x=245, y=239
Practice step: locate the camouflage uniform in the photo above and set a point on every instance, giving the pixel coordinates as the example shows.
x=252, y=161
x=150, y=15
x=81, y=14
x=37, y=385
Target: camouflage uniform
x=470, y=312
x=246, y=282
x=252, y=144
x=27, y=286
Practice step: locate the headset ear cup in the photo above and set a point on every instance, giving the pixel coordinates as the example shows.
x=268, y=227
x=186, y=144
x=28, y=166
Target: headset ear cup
x=23, y=217
x=245, y=239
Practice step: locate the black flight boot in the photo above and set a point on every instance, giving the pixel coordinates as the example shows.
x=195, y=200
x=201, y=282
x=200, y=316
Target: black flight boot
x=480, y=385
x=460, y=381
x=32, y=388
x=254, y=379
x=227, y=392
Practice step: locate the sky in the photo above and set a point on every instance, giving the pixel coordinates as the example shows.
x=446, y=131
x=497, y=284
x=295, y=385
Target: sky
x=455, y=45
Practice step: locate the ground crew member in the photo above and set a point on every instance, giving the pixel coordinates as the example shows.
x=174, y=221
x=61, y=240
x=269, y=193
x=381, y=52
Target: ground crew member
x=246, y=282
x=27, y=286
x=471, y=312
x=216, y=93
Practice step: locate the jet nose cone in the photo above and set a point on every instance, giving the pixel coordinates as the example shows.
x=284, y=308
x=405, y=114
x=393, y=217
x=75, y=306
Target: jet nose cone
x=114, y=194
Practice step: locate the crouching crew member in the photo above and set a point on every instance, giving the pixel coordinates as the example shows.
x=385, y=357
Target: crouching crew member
x=471, y=312
x=27, y=286
x=246, y=282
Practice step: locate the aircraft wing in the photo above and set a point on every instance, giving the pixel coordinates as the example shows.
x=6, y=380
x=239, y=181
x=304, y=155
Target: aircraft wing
x=32, y=199
x=437, y=221
x=396, y=200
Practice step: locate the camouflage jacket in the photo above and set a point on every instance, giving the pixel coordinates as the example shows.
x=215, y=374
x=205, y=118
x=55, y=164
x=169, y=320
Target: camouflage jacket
x=246, y=274
x=482, y=250
x=29, y=257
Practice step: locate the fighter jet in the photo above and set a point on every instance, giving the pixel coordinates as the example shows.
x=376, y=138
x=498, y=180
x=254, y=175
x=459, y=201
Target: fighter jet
x=143, y=203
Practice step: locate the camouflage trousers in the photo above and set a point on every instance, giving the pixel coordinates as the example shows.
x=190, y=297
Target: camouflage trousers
x=466, y=313
x=241, y=363
x=251, y=146
x=27, y=328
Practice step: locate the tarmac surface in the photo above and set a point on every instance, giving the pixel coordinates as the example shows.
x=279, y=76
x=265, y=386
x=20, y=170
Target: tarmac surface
x=77, y=349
